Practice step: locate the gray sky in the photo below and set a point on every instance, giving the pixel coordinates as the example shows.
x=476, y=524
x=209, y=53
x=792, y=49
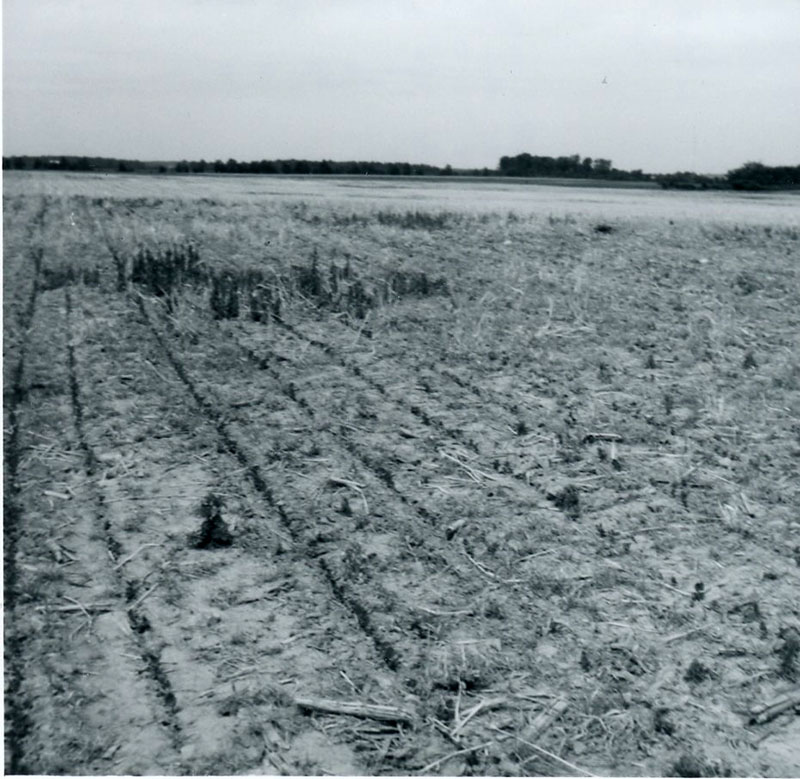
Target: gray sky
x=690, y=84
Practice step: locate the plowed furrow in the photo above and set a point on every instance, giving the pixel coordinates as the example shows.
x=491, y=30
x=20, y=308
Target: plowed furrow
x=77, y=651
x=420, y=570
x=237, y=631
x=502, y=440
x=135, y=616
x=23, y=284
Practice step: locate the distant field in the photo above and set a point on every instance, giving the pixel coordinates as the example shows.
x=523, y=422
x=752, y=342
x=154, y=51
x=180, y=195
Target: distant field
x=779, y=209
x=314, y=476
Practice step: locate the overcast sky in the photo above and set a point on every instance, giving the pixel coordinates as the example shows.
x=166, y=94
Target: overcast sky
x=661, y=85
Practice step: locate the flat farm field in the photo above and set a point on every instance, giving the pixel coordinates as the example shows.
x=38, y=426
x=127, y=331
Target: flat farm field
x=377, y=477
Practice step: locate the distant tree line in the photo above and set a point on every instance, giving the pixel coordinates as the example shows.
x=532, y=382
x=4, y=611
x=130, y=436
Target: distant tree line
x=686, y=179
x=750, y=176
x=82, y=164
x=319, y=168
x=292, y=166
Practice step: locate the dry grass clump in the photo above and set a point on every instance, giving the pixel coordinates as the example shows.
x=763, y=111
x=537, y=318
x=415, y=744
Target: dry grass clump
x=468, y=664
x=65, y=274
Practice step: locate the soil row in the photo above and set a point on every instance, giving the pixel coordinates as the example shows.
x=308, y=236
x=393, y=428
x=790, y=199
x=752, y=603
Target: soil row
x=240, y=626
x=73, y=650
x=22, y=265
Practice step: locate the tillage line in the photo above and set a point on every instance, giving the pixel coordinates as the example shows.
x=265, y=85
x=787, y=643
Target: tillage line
x=380, y=471
x=331, y=350
x=455, y=435
x=138, y=622
x=418, y=412
x=385, y=649
x=16, y=717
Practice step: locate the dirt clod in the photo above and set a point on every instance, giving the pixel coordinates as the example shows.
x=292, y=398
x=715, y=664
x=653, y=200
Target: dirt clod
x=689, y=766
x=662, y=722
x=213, y=534
x=697, y=672
x=748, y=611
x=568, y=500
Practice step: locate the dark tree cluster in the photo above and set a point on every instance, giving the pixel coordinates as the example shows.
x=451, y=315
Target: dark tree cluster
x=755, y=176
x=688, y=180
x=752, y=176
x=566, y=167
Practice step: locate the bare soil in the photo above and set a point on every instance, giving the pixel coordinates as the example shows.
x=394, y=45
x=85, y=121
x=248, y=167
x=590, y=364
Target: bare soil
x=375, y=491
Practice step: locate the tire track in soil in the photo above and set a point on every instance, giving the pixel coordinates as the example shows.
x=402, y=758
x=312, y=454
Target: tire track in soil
x=16, y=719
x=139, y=624
x=499, y=469
x=527, y=609
x=448, y=561
x=386, y=650
x=430, y=515
x=72, y=676
x=175, y=644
